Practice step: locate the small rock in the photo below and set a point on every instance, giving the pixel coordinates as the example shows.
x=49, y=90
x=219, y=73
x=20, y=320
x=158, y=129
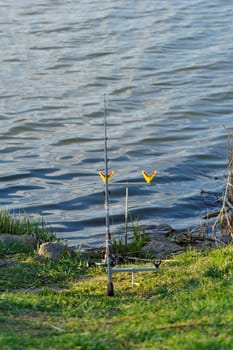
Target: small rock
x=159, y=230
x=55, y=250
x=4, y=263
x=161, y=248
x=24, y=240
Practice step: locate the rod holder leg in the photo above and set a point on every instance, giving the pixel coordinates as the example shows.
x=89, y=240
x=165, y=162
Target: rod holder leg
x=110, y=290
x=132, y=279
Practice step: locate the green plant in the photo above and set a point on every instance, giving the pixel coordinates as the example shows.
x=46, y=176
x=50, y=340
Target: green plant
x=134, y=246
x=17, y=224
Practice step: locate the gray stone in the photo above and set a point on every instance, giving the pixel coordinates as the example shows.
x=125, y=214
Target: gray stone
x=55, y=250
x=153, y=231
x=26, y=240
x=2, y=263
x=5, y=263
x=159, y=248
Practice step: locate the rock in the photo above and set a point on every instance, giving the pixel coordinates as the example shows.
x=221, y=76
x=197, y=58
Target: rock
x=2, y=263
x=160, y=244
x=159, y=248
x=55, y=250
x=5, y=263
x=164, y=230
x=26, y=240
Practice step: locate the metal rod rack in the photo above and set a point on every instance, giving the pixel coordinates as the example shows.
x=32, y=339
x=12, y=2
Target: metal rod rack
x=108, y=254
x=134, y=269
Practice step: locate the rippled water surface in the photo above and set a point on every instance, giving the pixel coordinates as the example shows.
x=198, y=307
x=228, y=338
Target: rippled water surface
x=166, y=68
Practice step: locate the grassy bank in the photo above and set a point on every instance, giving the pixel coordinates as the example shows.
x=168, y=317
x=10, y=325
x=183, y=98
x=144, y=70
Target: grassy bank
x=61, y=305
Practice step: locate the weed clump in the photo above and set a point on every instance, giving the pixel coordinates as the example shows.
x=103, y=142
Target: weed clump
x=224, y=221
x=134, y=246
x=19, y=225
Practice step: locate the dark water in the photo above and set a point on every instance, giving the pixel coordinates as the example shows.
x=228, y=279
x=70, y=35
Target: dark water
x=166, y=68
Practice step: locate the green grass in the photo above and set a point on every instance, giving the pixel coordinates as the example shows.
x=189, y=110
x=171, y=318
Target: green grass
x=135, y=243
x=61, y=305
x=21, y=224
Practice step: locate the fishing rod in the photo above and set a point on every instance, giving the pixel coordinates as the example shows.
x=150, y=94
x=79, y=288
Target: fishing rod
x=108, y=254
x=109, y=260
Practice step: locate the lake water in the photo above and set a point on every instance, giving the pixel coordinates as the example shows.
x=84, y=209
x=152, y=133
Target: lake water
x=166, y=69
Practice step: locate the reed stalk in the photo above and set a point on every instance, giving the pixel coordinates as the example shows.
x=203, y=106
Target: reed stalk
x=225, y=218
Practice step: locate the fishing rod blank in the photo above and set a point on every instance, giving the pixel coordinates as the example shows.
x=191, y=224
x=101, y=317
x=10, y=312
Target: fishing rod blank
x=109, y=261
x=110, y=290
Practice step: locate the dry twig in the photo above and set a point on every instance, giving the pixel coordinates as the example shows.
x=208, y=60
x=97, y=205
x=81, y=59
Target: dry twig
x=225, y=216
